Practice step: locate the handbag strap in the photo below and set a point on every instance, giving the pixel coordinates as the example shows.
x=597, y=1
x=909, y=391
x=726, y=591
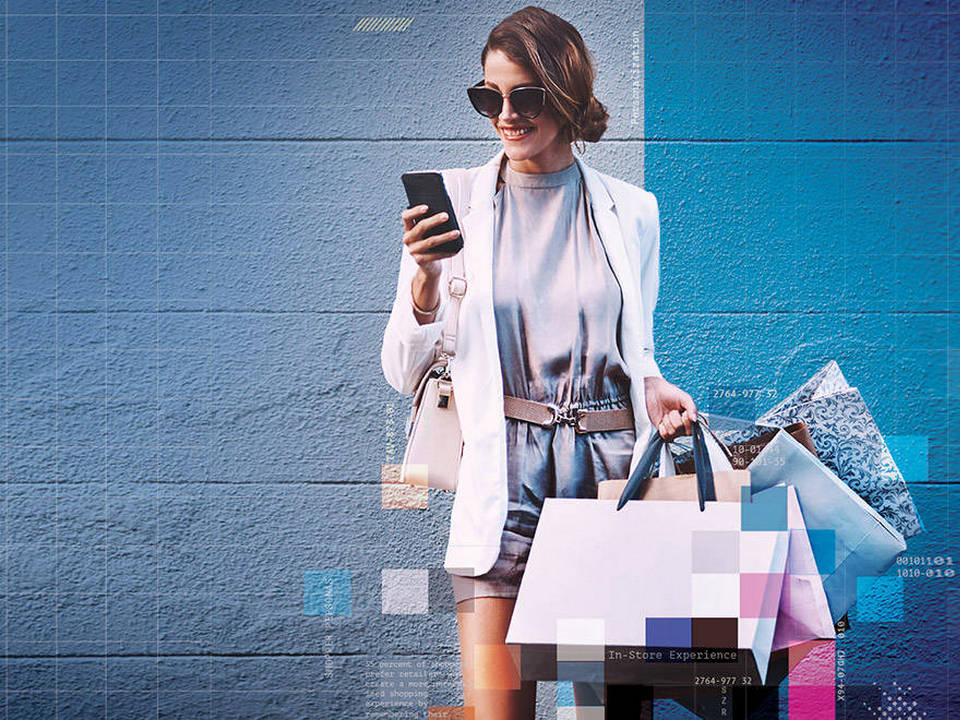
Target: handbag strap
x=706, y=489
x=456, y=286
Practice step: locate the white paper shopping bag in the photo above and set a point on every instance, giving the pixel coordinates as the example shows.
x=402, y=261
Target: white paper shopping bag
x=804, y=612
x=663, y=584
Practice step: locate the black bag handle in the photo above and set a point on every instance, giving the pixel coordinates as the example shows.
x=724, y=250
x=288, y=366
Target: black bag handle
x=706, y=489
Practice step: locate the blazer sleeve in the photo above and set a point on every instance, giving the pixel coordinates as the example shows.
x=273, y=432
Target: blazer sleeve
x=409, y=347
x=649, y=232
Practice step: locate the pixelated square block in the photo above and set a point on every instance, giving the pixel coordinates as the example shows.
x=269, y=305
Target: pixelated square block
x=450, y=712
x=396, y=495
x=715, y=595
x=405, y=591
x=668, y=632
x=580, y=639
x=709, y=632
x=565, y=696
x=800, y=563
x=810, y=701
x=496, y=666
x=823, y=542
x=585, y=671
x=441, y=591
x=767, y=510
x=760, y=594
x=715, y=551
x=326, y=592
x=597, y=712
x=802, y=585
x=758, y=550
x=590, y=694
x=911, y=455
x=813, y=663
x=880, y=599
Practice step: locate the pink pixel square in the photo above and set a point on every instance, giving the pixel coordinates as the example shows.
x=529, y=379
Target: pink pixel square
x=813, y=663
x=811, y=701
x=759, y=594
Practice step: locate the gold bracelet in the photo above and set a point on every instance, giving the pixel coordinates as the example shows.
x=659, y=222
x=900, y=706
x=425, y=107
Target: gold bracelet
x=422, y=311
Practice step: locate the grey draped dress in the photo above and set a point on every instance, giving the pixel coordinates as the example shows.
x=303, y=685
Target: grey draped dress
x=557, y=305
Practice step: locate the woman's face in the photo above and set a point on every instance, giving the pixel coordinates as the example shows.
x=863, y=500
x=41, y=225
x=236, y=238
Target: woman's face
x=542, y=148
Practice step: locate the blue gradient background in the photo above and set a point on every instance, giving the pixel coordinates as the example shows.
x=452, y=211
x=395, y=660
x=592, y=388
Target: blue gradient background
x=200, y=243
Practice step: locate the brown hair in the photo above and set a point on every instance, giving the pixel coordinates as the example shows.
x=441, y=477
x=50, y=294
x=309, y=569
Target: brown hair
x=552, y=49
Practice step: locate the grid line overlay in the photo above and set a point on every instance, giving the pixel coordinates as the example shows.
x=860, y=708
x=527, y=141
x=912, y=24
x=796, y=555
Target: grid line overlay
x=203, y=150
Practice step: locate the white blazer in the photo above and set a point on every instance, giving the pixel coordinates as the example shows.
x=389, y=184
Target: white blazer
x=627, y=218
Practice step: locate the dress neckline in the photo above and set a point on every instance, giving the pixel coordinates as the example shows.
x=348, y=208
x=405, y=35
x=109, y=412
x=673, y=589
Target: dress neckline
x=566, y=176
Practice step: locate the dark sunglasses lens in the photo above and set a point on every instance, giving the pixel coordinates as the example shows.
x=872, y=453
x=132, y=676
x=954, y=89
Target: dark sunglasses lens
x=485, y=101
x=527, y=101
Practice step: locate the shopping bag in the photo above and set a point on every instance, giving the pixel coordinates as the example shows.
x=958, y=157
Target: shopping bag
x=632, y=596
x=853, y=544
x=803, y=612
x=669, y=484
x=707, y=452
x=662, y=591
x=743, y=439
x=850, y=444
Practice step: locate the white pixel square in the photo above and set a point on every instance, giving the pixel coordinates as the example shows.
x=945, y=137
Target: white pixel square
x=405, y=591
x=715, y=595
x=580, y=639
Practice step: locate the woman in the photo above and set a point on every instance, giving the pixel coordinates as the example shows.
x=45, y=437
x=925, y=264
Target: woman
x=566, y=247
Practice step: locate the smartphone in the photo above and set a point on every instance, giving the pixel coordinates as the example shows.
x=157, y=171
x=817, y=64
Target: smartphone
x=427, y=188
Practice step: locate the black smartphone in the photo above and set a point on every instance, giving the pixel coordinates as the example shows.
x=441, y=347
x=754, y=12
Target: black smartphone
x=427, y=188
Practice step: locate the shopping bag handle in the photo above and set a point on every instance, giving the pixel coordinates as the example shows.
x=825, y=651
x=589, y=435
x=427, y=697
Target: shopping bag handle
x=706, y=489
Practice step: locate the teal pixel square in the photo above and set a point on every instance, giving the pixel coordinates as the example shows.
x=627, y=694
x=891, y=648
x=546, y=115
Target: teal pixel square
x=326, y=592
x=766, y=510
x=910, y=453
x=823, y=544
x=880, y=599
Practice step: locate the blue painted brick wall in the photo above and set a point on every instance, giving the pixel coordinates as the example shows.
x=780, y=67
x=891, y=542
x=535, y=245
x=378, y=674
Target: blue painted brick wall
x=200, y=243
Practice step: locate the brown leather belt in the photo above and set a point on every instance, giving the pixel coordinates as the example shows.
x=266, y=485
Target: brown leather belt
x=583, y=421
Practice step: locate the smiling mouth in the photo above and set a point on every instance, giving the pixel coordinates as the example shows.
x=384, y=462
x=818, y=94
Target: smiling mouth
x=516, y=133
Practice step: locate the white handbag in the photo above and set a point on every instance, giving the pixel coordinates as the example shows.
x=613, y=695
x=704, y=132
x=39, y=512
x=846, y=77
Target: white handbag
x=434, y=441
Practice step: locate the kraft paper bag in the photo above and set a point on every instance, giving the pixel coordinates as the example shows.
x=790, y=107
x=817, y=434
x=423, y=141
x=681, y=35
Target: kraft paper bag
x=849, y=442
x=667, y=484
x=637, y=595
x=852, y=541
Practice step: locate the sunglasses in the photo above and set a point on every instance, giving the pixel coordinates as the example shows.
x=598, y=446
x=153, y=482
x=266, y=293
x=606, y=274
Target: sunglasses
x=528, y=100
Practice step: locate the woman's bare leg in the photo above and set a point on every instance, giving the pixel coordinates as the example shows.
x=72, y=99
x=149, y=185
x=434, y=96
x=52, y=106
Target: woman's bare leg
x=491, y=670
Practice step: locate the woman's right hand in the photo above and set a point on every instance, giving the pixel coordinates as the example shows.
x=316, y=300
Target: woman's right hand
x=421, y=248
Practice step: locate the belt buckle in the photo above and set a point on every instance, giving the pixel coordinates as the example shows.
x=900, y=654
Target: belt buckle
x=568, y=415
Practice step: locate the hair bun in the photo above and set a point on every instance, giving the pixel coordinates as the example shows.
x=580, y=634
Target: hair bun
x=595, y=118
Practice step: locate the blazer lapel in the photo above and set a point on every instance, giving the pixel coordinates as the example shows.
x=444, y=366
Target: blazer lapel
x=632, y=317
x=482, y=395
x=611, y=237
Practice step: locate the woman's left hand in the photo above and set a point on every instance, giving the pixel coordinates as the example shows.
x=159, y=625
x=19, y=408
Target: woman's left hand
x=671, y=410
